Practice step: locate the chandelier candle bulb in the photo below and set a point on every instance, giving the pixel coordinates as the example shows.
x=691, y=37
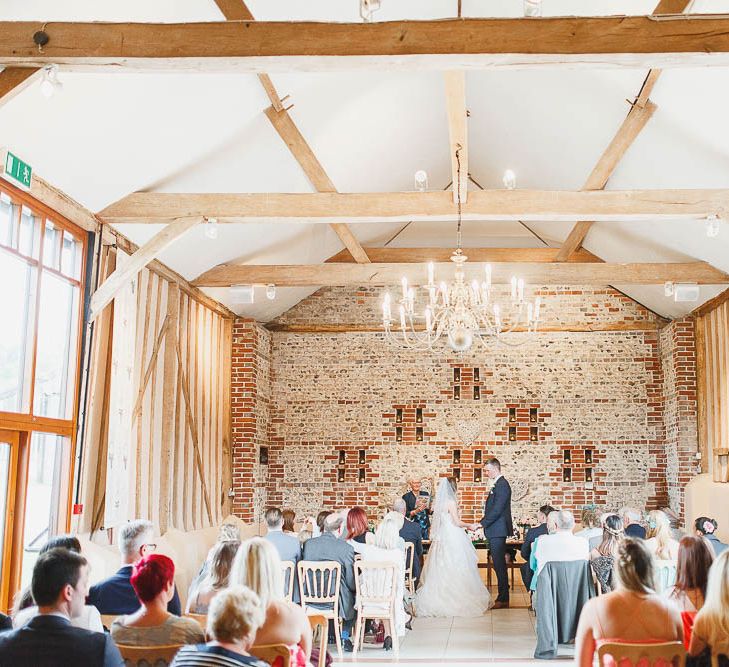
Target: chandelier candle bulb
x=432, y=295
x=428, y=319
x=476, y=291
x=402, y=318
x=520, y=288
x=444, y=292
x=431, y=273
x=530, y=313
x=484, y=293
x=497, y=316
x=537, y=305
x=488, y=275
x=411, y=300
x=513, y=288
x=386, y=308
x=404, y=287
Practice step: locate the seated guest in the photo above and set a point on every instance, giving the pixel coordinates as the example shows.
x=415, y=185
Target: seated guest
x=660, y=540
x=695, y=557
x=116, y=595
x=591, y=525
x=387, y=548
x=328, y=546
x=357, y=528
x=215, y=579
x=633, y=612
x=410, y=532
x=318, y=529
x=602, y=558
x=258, y=567
x=233, y=620
x=531, y=535
x=289, y=516
x=675, y=522
x=711, y=625
x=153, y=580
x=706, y=527
x=287, y=545
x=561, y=544
x=25, y=608
x=59, y=586
x=229, y=532
x=304, y=536
x=631, y=522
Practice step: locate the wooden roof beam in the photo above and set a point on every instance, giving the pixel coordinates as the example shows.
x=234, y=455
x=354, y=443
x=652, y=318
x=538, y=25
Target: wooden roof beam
x=409, y=255
x=482, y=205
x=14, y=80
x=555, y=273
x=451, y=44
x=455, y=91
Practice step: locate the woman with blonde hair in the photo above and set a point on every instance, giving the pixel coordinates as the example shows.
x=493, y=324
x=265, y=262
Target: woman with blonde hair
x=711, y=626
x=215, y=578
x=633, y=612
x=660, y=540
x=257, y=565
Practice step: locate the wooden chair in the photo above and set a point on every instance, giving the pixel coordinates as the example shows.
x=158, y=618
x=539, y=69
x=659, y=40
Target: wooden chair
x=719, y=650
x=270, y=652
x=108, y=619
x=409, y=560
x=672, y=652
x=376, y=588
x=319, y=583
x=149, y=656
x=287, y=568
x=321, y=624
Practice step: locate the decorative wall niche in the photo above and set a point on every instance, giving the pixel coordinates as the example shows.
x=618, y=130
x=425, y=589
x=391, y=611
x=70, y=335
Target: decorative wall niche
x=512, y=433
x=456, y=456
x=419, y=434
x=362, y=455
x=457, y=474
x=477, y=457
x=588, y=474
x=566, y=474
x=456, y=375
x=340, y=475
x=342, y=457
x=477, y=475
x=398, y=416
x=263, y=456
x=534, y=433
x=361, y=477
x=476, y=393
x=588, y=456
x=566, y=456
x=418, y=415
x=512, y=414
x=398, y=433
x=533, y=416
x=457, y=393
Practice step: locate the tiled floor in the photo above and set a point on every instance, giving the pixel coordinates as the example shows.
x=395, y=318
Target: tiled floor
x=502, y=635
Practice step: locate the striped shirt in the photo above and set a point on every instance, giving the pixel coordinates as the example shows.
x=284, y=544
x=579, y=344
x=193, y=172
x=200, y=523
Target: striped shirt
x=205, y=655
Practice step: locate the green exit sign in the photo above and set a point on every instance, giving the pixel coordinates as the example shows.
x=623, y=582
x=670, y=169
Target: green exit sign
x=17, y=171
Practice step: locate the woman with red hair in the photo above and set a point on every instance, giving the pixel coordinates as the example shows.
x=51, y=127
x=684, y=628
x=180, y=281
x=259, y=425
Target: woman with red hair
x=152, y=625
x=357, y=528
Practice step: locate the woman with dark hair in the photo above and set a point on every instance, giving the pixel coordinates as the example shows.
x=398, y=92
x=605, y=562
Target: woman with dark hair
x=356, y=527
x=25, y=607
x=633, y=612
x=706, y=527
x=602, y=558
x=289, y=516
x=692, y=574
x=153, y=580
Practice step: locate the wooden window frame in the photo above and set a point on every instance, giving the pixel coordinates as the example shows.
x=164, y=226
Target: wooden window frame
x=26, y=423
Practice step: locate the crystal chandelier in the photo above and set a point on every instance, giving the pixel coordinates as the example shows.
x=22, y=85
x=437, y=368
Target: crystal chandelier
x=458, y=310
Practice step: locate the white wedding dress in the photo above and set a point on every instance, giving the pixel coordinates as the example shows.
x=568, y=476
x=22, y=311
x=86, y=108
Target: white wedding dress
x=450, y=584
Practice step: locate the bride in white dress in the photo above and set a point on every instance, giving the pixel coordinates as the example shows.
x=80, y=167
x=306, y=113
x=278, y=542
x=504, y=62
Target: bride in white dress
x=450, y=584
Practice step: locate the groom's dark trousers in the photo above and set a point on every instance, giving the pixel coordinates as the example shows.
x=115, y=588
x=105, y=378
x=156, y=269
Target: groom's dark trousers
x=497, y=526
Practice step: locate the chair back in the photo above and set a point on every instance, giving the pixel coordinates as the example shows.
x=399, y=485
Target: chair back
x=277, y=655
x=108, y=619
x=149, y=656
x=320, y=624
x=319, y=582
x=375, y=584
x=287, y=568
x=665, y=575
x=409, y=559
x=665, y=652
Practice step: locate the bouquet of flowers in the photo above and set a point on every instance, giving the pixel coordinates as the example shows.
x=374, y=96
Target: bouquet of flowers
x=476, y=535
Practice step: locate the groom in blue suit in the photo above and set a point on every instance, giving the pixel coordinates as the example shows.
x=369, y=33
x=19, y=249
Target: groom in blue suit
x=497, y=526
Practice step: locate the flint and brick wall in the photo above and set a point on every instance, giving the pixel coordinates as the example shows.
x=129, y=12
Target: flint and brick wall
x=348, y=417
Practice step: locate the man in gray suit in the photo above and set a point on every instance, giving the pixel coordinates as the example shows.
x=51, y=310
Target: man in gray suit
x=287, y=545
x=328, y=546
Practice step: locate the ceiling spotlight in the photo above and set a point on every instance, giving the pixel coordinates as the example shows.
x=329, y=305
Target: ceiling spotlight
x=509, y=179
x=421, y=180
x=668, y=289
x=50, y=84
x=712, y=226
x=271, y=292
x=532, y=7
x=367, y=8
x=211, y=228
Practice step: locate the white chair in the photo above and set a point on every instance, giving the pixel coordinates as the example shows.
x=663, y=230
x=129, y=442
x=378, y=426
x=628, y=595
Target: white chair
x=287, y=569
x=409, y=560
x=319, y=583
x=670, y=652
x=376, y=591
x=665, y=575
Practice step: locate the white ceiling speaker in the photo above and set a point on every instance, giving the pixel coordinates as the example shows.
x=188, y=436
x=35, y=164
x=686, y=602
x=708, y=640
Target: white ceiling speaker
x=509, y=179
x=271, y=292
x=685, y=292
x=241, y=294
x=211, y=228
x=421, y=180
x=712, y=226
x=50, y=85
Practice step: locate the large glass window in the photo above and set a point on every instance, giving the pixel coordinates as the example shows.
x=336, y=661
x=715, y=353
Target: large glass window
x=43, y=501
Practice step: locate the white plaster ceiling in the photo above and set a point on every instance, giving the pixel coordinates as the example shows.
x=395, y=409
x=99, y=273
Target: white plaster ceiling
x=105, y=136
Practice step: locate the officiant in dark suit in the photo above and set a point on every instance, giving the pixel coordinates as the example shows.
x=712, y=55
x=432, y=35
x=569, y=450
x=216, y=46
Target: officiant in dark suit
x=417, y=507
x=497, y=526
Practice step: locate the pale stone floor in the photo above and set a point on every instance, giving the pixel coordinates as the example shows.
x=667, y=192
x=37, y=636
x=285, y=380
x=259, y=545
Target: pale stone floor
x=502, y=636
